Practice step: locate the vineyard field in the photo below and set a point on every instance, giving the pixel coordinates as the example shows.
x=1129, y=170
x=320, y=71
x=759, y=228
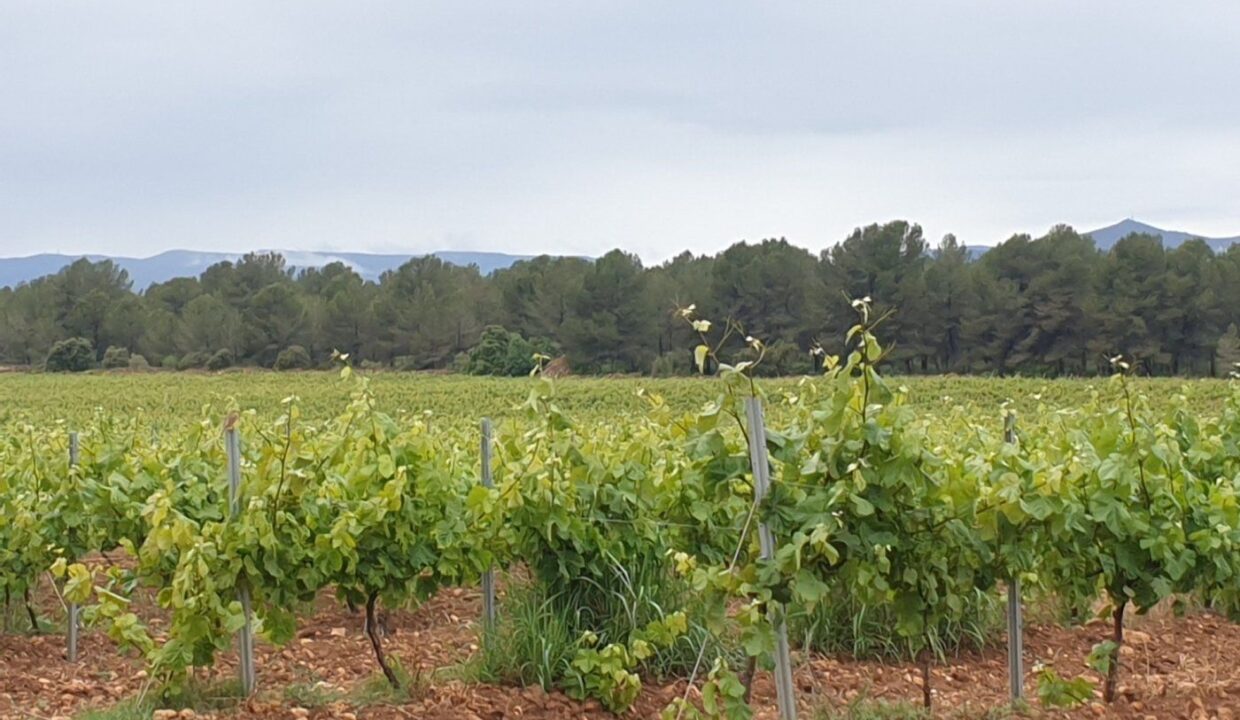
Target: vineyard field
x=347, y=518
x=460, y=399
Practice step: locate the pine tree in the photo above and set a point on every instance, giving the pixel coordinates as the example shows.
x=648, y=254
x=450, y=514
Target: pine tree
x=1229, y=352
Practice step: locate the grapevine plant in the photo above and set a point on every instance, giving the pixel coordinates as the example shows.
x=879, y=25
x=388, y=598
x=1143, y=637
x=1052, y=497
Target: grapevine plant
x=28, y=481
x=361, y=506
x=591, y=519
x=388, y=515
x=1141, y=525
x=861, y=502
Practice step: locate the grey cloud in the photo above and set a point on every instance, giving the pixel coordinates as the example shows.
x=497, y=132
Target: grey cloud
x=572, y=127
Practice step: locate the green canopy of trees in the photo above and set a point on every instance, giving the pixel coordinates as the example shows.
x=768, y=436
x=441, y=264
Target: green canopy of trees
x=1051, y=305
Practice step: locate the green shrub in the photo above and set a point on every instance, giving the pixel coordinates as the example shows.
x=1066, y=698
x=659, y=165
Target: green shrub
x=170, y=362
x=221, y=360
x=115, y=358
x=138, y=362
x=293, y=357
x=405, y=363
x=193, y=361
x=70, y=355
x=500, y=352
x=666, y=365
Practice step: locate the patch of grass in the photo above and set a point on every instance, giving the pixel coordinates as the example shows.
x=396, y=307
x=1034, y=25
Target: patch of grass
x=841, y=625
x=532, y=643
x=649, y=591
x=201, y=695
x=539, y=630
x=376, y=690
x=865, y=709
x=1019, y=709
x=16, y=621
x=467, y=671
x=312, y=695
x=131, y=709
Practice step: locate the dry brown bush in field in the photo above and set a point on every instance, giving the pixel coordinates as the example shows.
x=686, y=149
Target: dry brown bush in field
x=557, y=368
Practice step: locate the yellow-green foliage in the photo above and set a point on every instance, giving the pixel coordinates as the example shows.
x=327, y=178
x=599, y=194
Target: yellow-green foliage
x=163, y=399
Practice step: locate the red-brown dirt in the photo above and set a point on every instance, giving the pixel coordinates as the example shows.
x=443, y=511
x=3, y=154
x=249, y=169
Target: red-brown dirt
x=1173, y=668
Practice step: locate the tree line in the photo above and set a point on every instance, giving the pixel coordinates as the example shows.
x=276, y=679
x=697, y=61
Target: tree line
x=1052, y=305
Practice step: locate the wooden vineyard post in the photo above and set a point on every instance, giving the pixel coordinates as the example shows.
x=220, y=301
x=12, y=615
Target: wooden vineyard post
x=1015, y=630
x=72, y=640
x=488, y=577
x=245, y=638
x=785, y=691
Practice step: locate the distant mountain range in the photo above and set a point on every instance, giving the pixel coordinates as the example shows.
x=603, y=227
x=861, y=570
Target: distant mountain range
x=1105, y=238
x=181, y=263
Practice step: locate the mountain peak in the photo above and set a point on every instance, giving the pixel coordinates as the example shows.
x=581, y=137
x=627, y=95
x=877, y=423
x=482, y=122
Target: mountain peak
x=1105, y=238
x=1132, y=225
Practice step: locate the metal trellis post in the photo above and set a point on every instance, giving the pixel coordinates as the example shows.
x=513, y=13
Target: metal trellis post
x=1015, y=631
x=488, y=577
x=785, y=691
x=245, y=637
x=72, y=652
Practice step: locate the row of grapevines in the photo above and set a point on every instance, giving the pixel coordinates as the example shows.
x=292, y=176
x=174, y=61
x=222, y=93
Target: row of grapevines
x=871, y=499
x=1109, y=501
x=371, y=509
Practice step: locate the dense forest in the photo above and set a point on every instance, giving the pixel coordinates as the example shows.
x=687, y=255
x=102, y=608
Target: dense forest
x=1053, y=305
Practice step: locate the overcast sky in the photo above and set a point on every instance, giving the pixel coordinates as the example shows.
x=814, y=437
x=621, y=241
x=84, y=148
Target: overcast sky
x=575, y=127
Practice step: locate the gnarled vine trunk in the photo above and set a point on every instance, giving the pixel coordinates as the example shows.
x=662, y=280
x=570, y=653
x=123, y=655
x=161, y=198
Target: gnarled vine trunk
x=751, y=669
x=372, y=631
x=1117, y=636
x=926, y=656
x=34, y=620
